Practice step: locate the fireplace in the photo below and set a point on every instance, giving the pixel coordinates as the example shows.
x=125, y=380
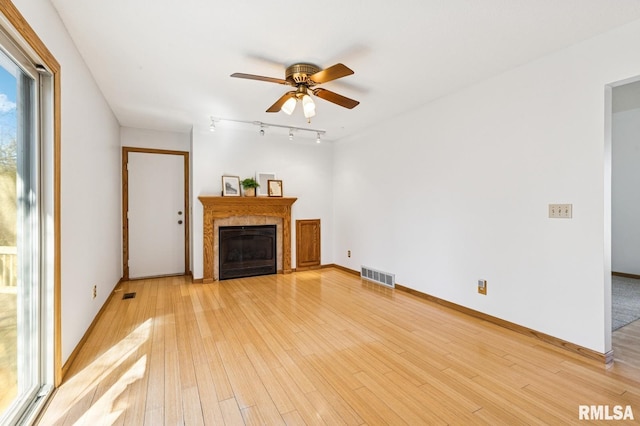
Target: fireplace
x=246, y=251
x=238, y=211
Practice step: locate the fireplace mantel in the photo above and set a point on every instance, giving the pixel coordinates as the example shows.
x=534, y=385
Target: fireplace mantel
x=223, y=207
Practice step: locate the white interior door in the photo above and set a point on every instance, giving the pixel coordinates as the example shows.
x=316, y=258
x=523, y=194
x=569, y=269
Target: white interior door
x=156, y=214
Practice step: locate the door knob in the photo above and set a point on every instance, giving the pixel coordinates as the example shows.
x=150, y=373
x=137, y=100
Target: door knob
x=179, y=213
x=179, y=222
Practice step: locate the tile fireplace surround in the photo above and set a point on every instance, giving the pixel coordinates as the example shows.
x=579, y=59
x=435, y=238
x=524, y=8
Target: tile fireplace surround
x=244, y=211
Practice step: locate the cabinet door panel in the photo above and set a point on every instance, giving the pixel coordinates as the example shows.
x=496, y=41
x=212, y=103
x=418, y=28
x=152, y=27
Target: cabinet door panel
x=307, y=243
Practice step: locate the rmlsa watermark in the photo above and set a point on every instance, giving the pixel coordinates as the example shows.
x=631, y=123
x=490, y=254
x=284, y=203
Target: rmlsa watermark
x=605, y=412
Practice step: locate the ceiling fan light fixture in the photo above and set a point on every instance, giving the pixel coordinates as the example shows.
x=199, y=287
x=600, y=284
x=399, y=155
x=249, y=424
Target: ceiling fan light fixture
x=304, y=77
x=289, y=106
x=308, y=106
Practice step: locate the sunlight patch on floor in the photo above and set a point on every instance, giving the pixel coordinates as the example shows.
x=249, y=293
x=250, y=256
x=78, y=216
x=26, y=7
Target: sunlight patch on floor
x=102, y=411
x=98, y=371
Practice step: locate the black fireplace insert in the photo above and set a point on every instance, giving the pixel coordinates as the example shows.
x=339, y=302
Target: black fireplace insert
x=246, y=251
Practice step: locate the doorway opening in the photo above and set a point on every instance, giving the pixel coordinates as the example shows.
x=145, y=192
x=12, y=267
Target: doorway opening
x=624, y=149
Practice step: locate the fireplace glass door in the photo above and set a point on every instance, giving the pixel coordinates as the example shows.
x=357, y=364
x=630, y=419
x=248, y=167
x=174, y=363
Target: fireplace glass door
x=246, y=251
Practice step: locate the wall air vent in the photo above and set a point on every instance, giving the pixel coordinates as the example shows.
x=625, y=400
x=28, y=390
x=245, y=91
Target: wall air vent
x=384, y=278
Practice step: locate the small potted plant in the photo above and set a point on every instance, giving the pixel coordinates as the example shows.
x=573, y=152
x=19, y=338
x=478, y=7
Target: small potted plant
x=249, y=185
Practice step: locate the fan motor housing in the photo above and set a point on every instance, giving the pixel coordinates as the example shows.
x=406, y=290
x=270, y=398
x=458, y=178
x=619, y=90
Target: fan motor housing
x=300, y=73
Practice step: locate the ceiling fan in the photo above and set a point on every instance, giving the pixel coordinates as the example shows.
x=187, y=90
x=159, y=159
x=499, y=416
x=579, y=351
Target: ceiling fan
x=304, y=77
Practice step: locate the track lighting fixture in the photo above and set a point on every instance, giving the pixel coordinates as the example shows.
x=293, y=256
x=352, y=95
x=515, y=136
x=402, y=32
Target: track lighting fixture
x=263, y=126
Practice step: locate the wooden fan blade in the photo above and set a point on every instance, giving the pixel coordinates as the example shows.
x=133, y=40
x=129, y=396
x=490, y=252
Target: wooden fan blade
x=330, y=96
x=332, y=73
x=276, y=107
x=260, y=78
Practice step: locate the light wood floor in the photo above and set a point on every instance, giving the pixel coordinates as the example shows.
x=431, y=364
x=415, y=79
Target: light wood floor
x=318, y=347
x=626, y=344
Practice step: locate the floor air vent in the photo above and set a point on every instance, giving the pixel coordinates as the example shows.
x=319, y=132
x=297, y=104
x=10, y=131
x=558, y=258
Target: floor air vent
x=384, y=278
x=128, y=296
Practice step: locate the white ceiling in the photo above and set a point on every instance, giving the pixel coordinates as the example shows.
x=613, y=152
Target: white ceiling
x=165, y=64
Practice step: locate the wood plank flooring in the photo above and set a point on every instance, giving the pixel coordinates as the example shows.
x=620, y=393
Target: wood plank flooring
x=318, y=347
x=626, y=344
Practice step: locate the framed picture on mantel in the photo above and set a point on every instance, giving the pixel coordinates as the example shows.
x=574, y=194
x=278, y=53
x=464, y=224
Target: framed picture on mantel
x=275, y=188
x=263, y=179
x=230, y=186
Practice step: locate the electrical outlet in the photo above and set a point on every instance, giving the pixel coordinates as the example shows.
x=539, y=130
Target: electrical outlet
x=561, y=211
x=348, y=253
x=482, y=287
x=95, y=292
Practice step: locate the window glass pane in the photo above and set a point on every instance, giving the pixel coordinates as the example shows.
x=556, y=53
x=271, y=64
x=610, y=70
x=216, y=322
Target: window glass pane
x=8, y=241
x=19, y=287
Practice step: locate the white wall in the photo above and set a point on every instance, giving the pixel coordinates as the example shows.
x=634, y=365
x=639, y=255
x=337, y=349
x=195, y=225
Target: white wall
x=304, y=167
x=90, y=193
x=153, y=139
x=458, y=191
x=625, y=199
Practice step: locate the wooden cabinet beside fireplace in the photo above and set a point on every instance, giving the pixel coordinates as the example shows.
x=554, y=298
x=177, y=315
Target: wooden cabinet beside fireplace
x=307, y=244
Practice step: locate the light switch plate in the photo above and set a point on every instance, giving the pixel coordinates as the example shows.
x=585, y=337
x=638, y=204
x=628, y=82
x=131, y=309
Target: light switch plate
x=561, y=211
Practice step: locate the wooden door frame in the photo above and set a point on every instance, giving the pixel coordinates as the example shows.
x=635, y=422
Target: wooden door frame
x=125, y=204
